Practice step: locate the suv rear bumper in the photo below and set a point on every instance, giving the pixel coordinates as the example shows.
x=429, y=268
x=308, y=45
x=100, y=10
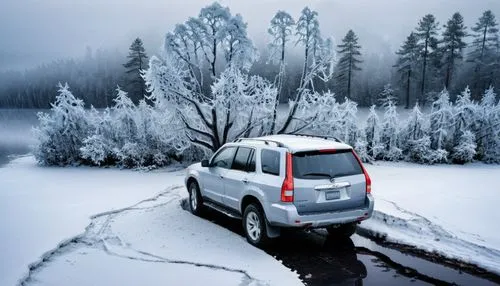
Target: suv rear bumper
x=286, y=215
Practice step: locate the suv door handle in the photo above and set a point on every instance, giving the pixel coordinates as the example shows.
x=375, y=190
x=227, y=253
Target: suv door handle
x=245, y=180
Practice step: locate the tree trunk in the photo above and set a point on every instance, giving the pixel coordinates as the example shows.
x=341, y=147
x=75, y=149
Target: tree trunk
x=426, y=51
x=408, y=90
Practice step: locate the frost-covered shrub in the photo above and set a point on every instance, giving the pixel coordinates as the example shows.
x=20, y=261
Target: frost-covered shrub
x=465, y=150
x=419, y=151
x=361, y=149
x=97, y=149
x=61, y=132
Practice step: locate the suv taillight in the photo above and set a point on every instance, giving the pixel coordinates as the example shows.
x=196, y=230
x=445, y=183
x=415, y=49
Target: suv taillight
x=287, y=187
x=368, y=181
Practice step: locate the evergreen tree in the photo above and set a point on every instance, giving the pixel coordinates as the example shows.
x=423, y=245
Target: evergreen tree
x=349, y=60
x=465, y=114
x=137, y=62
x=453, y=44
x=426, y=33
x=387, y=96
x=409, y=54
x=484, y=49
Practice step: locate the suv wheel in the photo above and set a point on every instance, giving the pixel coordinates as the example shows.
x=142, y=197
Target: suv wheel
x=195, y=200
x=254, y=225
x=345, y=230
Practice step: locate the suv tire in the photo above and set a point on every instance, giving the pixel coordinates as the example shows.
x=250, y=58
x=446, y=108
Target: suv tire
x=345, y=230
x=195, y=200
x=254, y=225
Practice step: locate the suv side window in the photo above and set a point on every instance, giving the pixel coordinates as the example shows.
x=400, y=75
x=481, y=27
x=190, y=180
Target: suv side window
x=241, y=159
x=251, y=162
x=270, y=161
x=225, y=158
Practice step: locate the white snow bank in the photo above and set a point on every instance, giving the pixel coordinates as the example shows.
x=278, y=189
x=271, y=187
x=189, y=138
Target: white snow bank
x=447, y=209
x=154, y=240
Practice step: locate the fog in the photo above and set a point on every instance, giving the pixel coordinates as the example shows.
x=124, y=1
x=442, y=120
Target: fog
x=35, y=31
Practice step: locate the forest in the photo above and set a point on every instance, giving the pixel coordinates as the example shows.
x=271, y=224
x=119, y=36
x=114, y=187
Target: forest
x=201, y=91
x=434, y=56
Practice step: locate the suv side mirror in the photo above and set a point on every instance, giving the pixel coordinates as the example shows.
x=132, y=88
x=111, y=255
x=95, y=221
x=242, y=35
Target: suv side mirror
x=205, y=163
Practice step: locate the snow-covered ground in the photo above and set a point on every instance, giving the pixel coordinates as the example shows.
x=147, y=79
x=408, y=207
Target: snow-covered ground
x=448, y=209
x=91, y=226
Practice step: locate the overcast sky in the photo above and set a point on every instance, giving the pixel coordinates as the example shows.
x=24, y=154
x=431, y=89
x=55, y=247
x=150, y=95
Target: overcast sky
x=34, y=31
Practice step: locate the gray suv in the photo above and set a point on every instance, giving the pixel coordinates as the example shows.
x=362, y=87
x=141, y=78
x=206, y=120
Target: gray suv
x=292, y=181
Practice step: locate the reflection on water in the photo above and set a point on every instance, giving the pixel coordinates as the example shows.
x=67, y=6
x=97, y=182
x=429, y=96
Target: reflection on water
x=15, y=132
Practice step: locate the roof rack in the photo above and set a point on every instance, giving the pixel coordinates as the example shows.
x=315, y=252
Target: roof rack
x=258, y=140
x=326, y=137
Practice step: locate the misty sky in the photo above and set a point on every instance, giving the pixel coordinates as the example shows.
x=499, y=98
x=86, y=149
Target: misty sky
x=34, y=31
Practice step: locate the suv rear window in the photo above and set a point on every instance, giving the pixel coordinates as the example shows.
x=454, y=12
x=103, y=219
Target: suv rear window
x=318, y=165
x=270, y=161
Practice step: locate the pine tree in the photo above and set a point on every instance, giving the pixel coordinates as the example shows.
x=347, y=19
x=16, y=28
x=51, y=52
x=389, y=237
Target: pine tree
x=484, y=48
x=349, y=61
x=453, y=44
x=426, y=34
x=409, y=54
x=137, y=62
x=387, y=95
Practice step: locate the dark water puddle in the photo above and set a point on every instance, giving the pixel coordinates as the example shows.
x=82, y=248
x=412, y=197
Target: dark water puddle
x=320, y=259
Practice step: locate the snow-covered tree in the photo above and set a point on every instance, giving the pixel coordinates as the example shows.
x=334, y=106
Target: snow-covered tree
x=387, y=95
x=488, y=134
x=238, y=49
x=389, y=134
x=465, y=115
x=309, y=36
x=348, y=117
x=415, y=141
x=465, y=150
x=361, y=147
x=60, y=133
x=281, y=30
x=441, y=122
x=372, y=133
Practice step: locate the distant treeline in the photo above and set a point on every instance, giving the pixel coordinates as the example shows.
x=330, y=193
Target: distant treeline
x=434, y=55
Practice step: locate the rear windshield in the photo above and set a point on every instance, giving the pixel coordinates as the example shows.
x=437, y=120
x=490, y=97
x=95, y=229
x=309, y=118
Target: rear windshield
x=317, y=165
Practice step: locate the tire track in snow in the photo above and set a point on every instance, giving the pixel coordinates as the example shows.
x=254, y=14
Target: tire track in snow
x=99, y=235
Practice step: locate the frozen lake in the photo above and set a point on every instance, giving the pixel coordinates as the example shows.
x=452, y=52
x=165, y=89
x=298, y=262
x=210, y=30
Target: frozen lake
x=15, y=132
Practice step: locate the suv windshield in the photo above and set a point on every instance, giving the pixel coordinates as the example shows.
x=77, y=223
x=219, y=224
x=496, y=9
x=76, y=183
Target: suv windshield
x=319, y=165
